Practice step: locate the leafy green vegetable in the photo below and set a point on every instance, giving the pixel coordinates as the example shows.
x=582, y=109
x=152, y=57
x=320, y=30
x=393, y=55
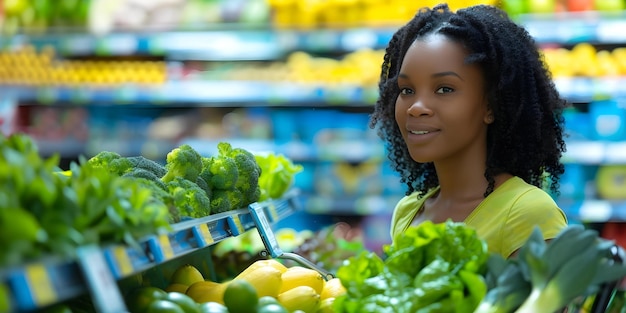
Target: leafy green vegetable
x=429, y=268
x=570, y=266
x=46, y=211
x=548, y=276
x=277, y=175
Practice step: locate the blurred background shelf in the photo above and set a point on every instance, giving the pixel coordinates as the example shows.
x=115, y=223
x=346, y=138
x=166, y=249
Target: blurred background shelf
x=258, y=93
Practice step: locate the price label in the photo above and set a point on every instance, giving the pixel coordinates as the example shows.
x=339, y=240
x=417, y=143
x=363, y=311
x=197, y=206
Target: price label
x=103, y=288
x=124, y=264
x=166, y=246
x=263, y=226
x=205, y=234
x=235, y=225
x=40, y=284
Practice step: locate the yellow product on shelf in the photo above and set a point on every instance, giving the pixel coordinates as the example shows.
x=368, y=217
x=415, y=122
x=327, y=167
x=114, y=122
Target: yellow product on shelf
x=25, y=66
x=611, y=182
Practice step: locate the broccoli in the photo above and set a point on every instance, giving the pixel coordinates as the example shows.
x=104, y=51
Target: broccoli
x=249, y=171
x=189, y=198
x=147, y=164
x=145, y=174
x=220, y=172
x=112, y=161
x=204, y=186
x=184, y=162
x=159, y=194
x=224, y=200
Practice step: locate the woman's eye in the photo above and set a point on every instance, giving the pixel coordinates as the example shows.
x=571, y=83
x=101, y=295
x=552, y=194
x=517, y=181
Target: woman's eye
x=406, y=91
x=444, y=90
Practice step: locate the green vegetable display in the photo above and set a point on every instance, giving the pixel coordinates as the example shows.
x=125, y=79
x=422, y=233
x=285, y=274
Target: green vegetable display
x=184, y=162
x=233, y=176
x=195, y=185
x=189, y=198
x=547, y=277
x=44, y=211
x=278, y=174
x=431, y=268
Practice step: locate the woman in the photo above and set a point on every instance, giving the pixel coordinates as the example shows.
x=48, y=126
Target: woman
x=472, y=122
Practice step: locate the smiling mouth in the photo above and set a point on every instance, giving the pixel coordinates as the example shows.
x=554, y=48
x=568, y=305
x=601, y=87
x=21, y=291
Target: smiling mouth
x=419, y=132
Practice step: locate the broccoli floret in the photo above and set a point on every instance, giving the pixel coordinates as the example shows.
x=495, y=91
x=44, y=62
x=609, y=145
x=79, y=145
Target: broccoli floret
x=204, y=186
x=162, y=195
x=189, y=198
x=147, y=164
x=145, y=174
x=221, y=201
x=112, y=161
x=184, y=162
x=249, y=171
x=220, y=172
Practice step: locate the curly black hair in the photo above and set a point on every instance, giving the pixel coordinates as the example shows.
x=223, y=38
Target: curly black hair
x=526, y=138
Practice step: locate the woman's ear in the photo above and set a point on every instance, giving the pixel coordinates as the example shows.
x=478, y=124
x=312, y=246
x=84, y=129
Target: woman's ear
x=489, y=117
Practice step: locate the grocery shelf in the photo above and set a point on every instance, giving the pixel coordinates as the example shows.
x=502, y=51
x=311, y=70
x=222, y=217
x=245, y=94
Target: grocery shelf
x=49, y=281
x=201, y=93
x=214, y=45
x=42, y=283
x=257, y=93
x=576, y=27
x=270, y=44
x=594, y=210
x=350, y=205
x=582, y=152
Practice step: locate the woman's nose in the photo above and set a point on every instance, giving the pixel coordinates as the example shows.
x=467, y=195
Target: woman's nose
x=419, y=108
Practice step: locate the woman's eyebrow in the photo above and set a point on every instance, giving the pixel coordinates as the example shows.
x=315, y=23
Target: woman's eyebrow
x=449, y=73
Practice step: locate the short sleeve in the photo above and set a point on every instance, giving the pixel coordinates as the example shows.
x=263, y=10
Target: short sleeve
x=534, y=208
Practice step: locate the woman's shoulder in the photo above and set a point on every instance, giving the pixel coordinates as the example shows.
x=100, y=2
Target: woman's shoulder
x=518, y=191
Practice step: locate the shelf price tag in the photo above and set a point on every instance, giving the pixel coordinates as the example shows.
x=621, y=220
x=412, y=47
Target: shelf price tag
x=41, y=287
x=265, y=231
x=166, y=246
x=103, y=288
x=203, y=235
x=234, y=222
x=125, y=267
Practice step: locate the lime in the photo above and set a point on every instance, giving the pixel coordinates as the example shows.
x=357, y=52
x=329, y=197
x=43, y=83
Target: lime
x=240, y=297
x=164, y=306
x=265, y=300
x=212, y=307
x=184, y=302
x=272, y=308
x=138, y=299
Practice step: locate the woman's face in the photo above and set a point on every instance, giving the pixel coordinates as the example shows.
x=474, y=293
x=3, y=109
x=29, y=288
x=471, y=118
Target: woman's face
x=442, y=108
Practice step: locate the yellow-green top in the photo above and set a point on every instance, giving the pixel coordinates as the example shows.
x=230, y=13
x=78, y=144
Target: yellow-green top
x=504, y=219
